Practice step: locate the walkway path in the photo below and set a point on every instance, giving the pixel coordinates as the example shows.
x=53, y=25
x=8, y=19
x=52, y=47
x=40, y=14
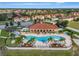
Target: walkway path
x=72, y=29
x=76, y=41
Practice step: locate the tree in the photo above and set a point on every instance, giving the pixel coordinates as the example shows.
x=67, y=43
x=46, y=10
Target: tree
x=23, y=14
x=64, y=23
x=19, y=24
x=35, y=21
x=6, y=24
x=50, y=39
x=60, y=31
x=31, y=40
x=77, y=19
x=71, y=33
x=11, y=23
x=62, y=39
x=3, y=17
x=58, y=23
x=12, y=35
x=19, y=39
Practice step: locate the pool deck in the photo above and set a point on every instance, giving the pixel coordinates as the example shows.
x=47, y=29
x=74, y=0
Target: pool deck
x=67, y=40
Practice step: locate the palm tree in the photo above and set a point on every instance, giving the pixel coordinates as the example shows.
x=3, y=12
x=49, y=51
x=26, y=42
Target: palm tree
x=12, y=35
x=62, y=39
x=11, y=23
x=71, y=33
x=6, y=25
x=50, y=39
x=19, y=24
x=19, y=39
x=31, y=40
x=60, y=31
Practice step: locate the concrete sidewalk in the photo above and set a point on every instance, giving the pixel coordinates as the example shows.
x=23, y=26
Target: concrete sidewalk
x=76, y=41
x=73, y=29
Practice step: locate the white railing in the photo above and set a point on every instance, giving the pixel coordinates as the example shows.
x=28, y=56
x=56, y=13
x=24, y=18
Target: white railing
x=30, y=48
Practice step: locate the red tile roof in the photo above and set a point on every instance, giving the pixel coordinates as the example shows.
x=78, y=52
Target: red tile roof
x=43, y=26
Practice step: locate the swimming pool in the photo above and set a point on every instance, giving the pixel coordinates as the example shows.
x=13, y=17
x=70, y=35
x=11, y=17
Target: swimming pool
x=43, y=38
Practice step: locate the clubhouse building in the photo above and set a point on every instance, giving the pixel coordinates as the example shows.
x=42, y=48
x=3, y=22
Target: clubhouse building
x=43, y=27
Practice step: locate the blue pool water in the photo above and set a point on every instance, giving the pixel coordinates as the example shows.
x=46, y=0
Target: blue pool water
x=43, y=39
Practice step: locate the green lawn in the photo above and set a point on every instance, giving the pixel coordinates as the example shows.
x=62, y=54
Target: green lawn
x=2, y=42
x=3, y=22
x=3, y=34
x=37, y=53
x=74, y=24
